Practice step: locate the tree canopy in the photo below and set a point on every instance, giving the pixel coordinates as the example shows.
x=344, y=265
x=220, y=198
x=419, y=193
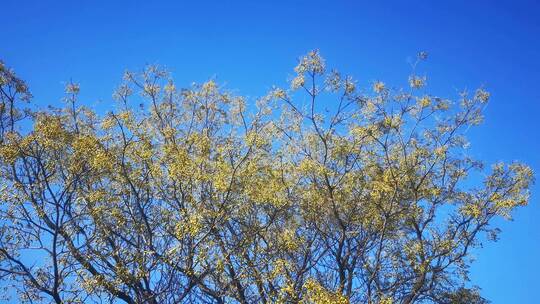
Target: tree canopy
x=321, y=192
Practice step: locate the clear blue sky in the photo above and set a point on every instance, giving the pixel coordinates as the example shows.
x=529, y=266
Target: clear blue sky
x=251, y=45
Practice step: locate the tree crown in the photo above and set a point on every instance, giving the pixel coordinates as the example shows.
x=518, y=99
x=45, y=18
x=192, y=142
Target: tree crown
x=192, y=195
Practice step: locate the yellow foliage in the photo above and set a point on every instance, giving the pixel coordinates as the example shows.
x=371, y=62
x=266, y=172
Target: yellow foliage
x=280, y=202
x=315, y=293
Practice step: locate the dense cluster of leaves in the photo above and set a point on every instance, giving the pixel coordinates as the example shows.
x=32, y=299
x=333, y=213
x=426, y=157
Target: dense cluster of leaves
x=196, y=197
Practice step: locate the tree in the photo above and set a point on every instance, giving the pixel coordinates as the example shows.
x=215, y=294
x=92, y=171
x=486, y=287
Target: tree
x=463, y=296
x=193, y=196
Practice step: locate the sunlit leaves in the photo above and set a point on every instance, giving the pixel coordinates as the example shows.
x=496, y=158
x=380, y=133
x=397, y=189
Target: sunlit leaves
x=197, y=195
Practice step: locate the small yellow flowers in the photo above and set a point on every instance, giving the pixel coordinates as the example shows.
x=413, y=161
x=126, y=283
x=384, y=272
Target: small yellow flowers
x=417, y=82
x=279, y=93
x=472, y=210
x=151, y=89
x=378, y=86
x=181, y=164
x=350, y=86
x=440, y=151
x=87, y=148
x=297, y=82
x=482, y=95
x=237, y=109
x=255, y=139
x=441, y=104
x=189, y=225
x=72, y=88
x=145, y=150
x=209, y=87
x=51, y=132
x=312, y=63
x=108, y=122
x=424, y=101
x=333, y=81
x=311, y=196
x=122, y=92
x=365, y=133
x=317, y=294
x=308, y=166
x=393, y=121
x=385, y=300
x=289, y=240
x=127, y=118
x=9, y=151
x=170, y=88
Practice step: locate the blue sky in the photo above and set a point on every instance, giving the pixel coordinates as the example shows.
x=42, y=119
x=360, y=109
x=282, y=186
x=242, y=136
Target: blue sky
x=252, y=45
